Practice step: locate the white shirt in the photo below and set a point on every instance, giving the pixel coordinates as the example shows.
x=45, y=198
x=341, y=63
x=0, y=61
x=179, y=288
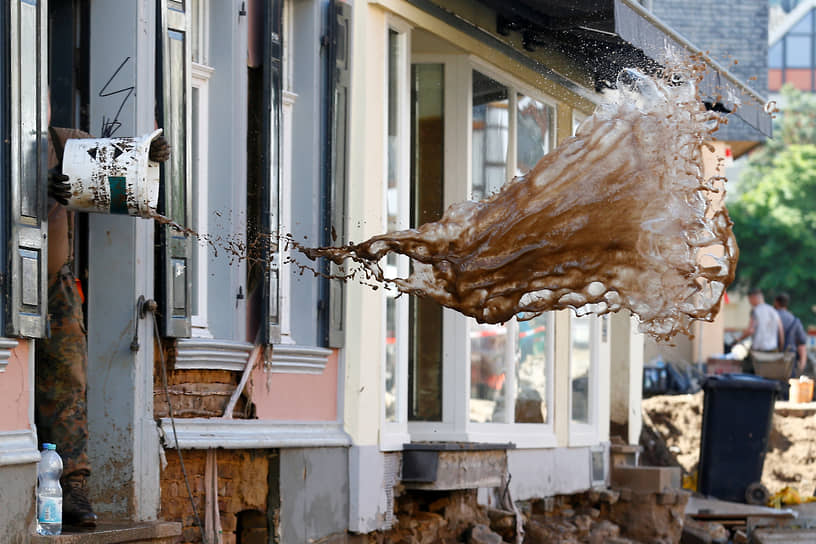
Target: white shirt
x=766, y=331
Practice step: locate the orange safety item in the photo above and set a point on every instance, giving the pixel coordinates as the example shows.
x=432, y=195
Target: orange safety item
x=79, y=290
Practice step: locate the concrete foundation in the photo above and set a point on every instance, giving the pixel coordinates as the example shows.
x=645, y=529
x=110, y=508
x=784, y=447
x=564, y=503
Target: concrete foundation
x=17, y=497
x=314, y=493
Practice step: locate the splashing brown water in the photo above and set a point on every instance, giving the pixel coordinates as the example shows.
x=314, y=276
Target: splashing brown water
x=618, y=216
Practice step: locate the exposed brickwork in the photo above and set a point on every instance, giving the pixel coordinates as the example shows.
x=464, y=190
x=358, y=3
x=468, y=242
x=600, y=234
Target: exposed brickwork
x=242, y=486
x=196, y=393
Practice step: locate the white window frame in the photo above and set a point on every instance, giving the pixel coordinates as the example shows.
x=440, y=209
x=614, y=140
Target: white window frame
x=456, y=424
x=288, y=99
x=395, y=433
x=200, y=76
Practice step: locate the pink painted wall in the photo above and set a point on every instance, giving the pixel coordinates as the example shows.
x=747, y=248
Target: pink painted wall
x=295, y=397
x=14, y=394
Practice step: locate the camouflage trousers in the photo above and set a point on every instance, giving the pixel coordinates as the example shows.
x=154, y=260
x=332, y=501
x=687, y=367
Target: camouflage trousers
x=62, y=363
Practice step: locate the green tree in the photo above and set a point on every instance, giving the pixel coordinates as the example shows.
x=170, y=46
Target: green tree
x=775, y=213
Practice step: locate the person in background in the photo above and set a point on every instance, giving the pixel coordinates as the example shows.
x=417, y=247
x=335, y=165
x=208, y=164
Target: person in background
x=795, y=338
x=62, y=358
x=765, y=327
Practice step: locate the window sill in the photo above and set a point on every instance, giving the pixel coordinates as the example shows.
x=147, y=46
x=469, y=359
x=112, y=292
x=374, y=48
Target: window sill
x=293, y=359
x=212, y=354
x=6, y=345
x=522, y=435
x=254, y=433
x=18, y=447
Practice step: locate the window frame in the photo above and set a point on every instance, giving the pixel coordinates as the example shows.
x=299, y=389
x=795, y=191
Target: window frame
x=5, y=163
x=457, y=175
x=200, y=78
x=395, y=433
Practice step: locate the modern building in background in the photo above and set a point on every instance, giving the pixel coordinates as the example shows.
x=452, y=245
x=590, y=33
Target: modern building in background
x=792, y=50
x=299, y=403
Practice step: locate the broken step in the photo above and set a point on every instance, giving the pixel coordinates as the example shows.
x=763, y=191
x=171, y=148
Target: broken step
x=148, y=532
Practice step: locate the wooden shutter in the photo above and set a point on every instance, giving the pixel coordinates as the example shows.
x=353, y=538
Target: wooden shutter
x=340, y=76
x=271, y=167
x=175, y=250
x=25, y=164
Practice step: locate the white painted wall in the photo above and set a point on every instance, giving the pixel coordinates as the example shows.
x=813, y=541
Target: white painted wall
x=547, y=472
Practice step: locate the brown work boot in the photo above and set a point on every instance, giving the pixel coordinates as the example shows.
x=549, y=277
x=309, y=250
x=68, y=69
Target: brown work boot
x=76, y=508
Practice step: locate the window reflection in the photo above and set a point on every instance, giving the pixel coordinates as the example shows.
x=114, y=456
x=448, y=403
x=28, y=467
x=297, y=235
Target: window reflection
x=427, y=201
x=489, y=138
x=535, y=128
x=580, y=368
x=490, y=350
x=531, y=370
x=393, y=224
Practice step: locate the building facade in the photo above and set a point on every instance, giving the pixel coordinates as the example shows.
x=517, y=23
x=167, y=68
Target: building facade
x=297, y=404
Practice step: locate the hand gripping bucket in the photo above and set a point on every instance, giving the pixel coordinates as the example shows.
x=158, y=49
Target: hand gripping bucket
x=112, y=175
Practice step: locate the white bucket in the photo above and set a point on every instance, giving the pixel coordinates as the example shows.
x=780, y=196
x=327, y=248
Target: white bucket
x=112, y=175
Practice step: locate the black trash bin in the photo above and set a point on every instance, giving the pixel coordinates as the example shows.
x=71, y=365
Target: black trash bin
x=737, y=413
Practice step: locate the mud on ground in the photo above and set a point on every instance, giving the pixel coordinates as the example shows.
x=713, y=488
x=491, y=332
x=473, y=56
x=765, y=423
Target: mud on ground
x=676, y=421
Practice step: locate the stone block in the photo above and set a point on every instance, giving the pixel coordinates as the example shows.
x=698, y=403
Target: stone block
x=481, y=534
x=646, y=479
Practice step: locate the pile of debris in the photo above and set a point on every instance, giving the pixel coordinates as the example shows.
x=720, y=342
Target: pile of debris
x=594, y=517
x=671, y=437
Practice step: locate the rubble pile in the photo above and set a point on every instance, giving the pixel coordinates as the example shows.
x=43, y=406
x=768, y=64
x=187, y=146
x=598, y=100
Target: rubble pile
x=671, y=437
x=594, y=517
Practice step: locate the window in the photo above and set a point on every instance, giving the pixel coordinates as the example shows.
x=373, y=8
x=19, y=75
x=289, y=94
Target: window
x=466, y=381
x=397, y=207
x=775, y=55
x=588, y=369
x=174, y=104
x=797, y=51
x=508, y=363
x=791, y=59
x=199, y=153
x=25, y=67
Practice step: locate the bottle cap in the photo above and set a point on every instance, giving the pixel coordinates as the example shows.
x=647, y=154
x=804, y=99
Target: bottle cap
x=49, y=446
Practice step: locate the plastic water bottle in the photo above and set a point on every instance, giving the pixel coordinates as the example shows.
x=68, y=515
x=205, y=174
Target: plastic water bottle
x=49, y=492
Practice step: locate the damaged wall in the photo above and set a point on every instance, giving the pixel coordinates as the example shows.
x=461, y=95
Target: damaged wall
x=242, y=486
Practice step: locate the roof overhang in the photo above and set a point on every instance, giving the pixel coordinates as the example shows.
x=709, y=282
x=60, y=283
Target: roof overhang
x=606, y=36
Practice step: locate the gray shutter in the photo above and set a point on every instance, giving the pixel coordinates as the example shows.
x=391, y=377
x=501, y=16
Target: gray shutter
x=340, y=21
x=271, y=167
x=27, y=288
x=175, y=248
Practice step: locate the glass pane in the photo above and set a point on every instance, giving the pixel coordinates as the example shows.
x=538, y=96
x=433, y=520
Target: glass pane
x=176, y=127
x=580, y=366
x=535, y=132
x=427, y=201
x=804, y=26
x=393, y=327
x=532, y=371
x=775, y=55
x=490, y=134
x=196, y=187
x=29, y=121
x=489, y=354
x=797, y=51
x=195, y=30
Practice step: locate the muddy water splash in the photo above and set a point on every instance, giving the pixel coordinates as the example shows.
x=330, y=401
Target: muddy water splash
x=618, y=216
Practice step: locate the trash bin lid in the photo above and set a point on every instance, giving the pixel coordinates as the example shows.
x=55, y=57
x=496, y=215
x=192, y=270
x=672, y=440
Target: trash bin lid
x=740, y=381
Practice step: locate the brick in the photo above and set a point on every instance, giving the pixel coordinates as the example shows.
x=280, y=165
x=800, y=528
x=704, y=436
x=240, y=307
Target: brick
x=645, y=479
x=228, y=522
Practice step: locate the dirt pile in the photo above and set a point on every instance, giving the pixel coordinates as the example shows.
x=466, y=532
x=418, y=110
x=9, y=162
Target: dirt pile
x=593, y=517
x=677, y=421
